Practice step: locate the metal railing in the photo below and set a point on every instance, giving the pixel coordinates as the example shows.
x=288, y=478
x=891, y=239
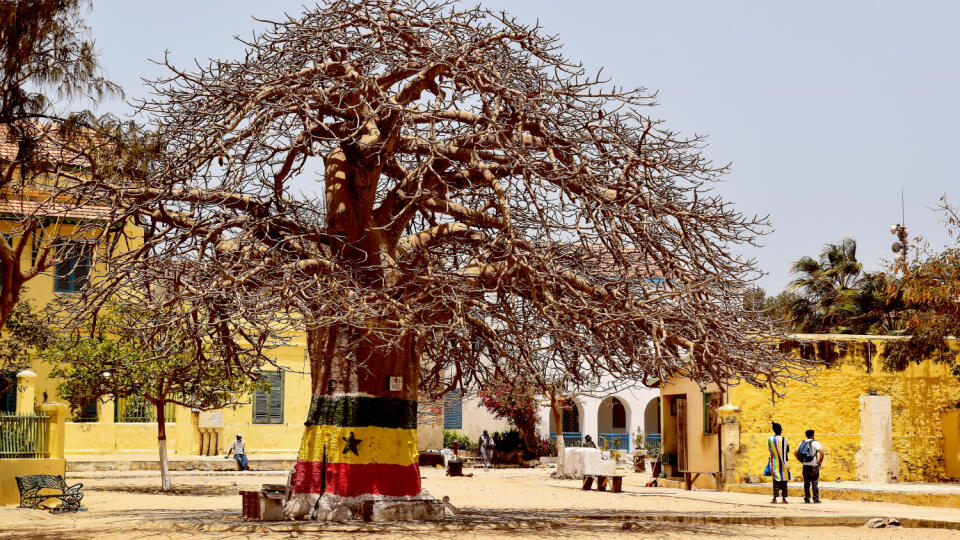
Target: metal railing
x=614, y=441
x=653, y=440
x=137, y=409
x=570, y=438
x=24, y=436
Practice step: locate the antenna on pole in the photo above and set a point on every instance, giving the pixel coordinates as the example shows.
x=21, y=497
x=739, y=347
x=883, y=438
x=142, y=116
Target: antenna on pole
x=903, y=217
x=900, y=231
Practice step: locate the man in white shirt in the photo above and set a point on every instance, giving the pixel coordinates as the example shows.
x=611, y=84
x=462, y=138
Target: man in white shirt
x=811, y=449
x=486, y=448
x=239, y=451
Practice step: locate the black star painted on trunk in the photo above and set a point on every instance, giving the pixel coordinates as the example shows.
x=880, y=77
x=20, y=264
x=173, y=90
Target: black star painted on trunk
x=352, y=444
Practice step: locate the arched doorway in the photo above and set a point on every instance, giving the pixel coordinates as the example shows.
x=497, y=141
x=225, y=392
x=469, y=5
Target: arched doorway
x=651, y=422
x=613, y=421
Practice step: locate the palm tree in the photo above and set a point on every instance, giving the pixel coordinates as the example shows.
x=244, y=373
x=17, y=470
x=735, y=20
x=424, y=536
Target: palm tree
x=829, y=289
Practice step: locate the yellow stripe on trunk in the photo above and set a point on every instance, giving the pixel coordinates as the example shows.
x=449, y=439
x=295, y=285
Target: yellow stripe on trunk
x=372, y=445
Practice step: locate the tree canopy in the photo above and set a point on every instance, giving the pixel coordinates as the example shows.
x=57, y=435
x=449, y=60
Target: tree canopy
x=833, y=294
x=44, y=49
x=129, y=353
x=931, y=292
x=473, y=178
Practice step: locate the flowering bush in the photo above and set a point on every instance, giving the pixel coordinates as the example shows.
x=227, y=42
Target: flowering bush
x=515, y=403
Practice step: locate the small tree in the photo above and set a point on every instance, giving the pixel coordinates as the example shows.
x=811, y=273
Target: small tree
x=164, y=364
x=931, y=292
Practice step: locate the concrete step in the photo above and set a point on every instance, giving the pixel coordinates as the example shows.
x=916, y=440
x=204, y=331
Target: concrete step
x=179, y=464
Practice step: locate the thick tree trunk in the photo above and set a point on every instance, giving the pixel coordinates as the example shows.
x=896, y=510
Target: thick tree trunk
x=557, y=412
x=162, y=444
x=360, y=440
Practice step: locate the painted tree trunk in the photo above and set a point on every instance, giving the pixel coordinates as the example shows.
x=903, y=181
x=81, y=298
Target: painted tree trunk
x=165, y=483
x=557, y=412
x=360, y=440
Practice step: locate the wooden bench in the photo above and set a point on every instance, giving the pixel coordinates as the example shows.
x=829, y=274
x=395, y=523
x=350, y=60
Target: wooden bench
x=689, y=477
x=616, y=484
x=36, y=488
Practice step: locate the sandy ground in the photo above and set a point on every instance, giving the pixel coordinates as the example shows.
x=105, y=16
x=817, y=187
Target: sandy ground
x=502, y=503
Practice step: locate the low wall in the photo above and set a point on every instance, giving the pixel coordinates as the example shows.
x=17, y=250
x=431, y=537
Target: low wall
x=10, y=469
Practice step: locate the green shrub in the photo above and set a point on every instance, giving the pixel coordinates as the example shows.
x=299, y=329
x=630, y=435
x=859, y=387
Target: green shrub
x=449, y=436
x=509, y=440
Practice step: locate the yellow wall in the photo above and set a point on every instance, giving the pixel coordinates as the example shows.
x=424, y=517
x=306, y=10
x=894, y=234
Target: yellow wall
x=12, y=468
x=951, y=442
x=829, y=404
x=107, y=437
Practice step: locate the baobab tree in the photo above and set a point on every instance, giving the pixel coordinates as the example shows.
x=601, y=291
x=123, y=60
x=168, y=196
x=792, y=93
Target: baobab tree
x=469, y=172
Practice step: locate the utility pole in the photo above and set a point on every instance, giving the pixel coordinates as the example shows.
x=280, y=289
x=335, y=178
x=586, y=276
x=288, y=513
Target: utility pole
x=899, y=246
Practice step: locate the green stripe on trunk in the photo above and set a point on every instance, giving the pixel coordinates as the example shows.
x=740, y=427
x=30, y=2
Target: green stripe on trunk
x=351, y=411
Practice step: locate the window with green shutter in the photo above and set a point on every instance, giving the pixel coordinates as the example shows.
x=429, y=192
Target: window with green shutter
x=711, y=402
x=8, y=392
x=268, y=404
x=72, y=268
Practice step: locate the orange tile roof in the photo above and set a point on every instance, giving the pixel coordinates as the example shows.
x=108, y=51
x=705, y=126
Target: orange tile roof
x=51, y=147
x=22, y=207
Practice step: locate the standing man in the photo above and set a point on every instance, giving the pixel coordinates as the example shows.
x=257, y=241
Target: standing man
x=239, y=451
x=810, y=454
x=779, y=469
x=486, y=446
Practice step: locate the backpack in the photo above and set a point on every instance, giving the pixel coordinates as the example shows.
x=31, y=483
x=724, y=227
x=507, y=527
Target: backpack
x=805, y=451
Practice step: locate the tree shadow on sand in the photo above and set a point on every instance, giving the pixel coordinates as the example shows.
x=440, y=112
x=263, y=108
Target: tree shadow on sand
x=160, y=522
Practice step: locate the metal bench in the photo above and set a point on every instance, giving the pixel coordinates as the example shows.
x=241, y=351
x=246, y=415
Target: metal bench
x=36, y=488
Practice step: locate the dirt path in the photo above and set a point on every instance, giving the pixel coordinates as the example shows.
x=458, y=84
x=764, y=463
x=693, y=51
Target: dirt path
x=503, y=503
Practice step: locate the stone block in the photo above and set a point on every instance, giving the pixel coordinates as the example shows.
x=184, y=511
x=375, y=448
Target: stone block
x=592, y=461
x=412, y=510
x=271, y=507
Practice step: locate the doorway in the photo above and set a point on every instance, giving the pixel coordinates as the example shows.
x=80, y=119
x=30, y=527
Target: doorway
x=681, y=433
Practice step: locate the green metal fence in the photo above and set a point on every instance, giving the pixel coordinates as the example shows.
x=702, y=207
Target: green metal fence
x=138, y=409
x=24, y=436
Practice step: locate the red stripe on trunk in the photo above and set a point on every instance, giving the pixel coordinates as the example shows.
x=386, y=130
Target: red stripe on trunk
x=352, y=480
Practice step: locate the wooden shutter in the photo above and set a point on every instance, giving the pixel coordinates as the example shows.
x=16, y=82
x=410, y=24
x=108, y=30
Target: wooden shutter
x=81, y=269
x=275, y=404
x=63, y=270
x=453, y=410
x=260, y=415
x=268, y=405
x=8, y=397
x=66, y=269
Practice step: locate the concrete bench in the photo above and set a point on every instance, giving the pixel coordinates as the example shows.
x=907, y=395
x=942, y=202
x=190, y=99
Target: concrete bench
x=598, y=465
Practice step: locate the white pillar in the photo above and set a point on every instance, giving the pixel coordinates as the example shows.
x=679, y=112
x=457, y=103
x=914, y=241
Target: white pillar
x=588, y=419
x=635, y=411
x=876, y=462
x=545, y=422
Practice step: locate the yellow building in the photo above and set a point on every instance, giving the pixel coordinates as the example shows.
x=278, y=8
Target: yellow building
x=270, y=421
x=874, y=425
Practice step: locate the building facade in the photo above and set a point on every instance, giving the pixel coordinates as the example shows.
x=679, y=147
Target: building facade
x=874, y=425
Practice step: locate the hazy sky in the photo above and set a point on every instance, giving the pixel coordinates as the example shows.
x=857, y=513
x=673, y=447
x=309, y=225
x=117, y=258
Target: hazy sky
x=824, y=109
